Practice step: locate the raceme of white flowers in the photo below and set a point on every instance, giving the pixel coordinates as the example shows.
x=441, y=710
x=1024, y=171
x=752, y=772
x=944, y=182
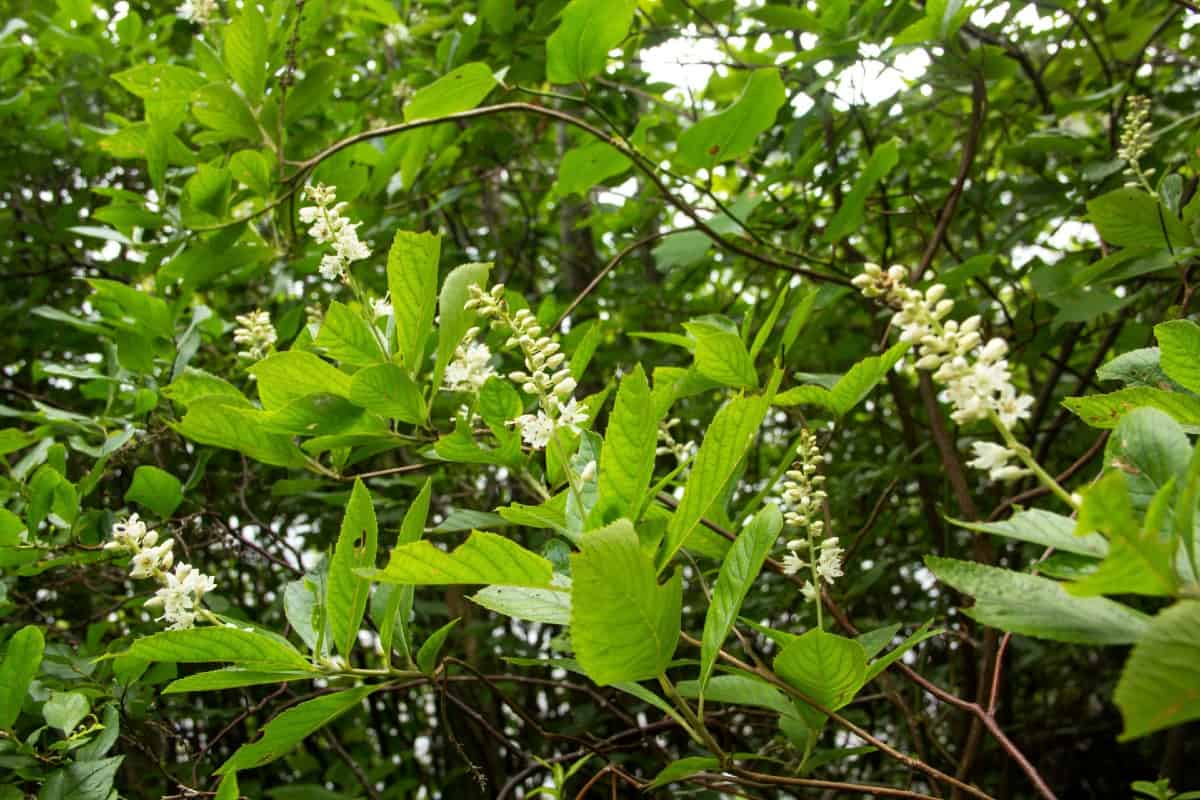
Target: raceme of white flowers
x=546, y=377
x=1135, y=140
x=182, y=589
x=330, y=226
x=802, y=500
x=471, y=367
x=976, y=375
x=255, y=333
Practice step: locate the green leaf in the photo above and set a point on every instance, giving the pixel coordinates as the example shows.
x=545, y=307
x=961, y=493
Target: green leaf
x=624, y=625
x=550, y=606
x=1140, y=560
x=246, y=51
x=1136, y=368
x=284, y=377
x=725, y=443
x=65, y=710
x=233, y=678
x=228, y=790
x=22, y=658
x=1038, y=607
x=193, y=384
x=827, y=668
x=1150, y=449
x=1160, y=685
x=850, y=389
x=738, y=572
x=412, y=274
x=578, y=48
x=459, y=90
x=202, y=645
x=1128, y=217
x=585, y=166
x=219, y=107
x=1179, y=341
x=1106, y=410
x=83, y=780
x=627, y=456
x=454, y=319
x=348, y=338
x=213, y=421
x=919, y=635
x=1044, y=528
x=396, y=601
x=721, y=356
x=155, y=489
x=346, y=593
x=432, y=647
x=849, y=217
x=386, y=389
x=732, y=132
x=684, y=768
x=291, y=727
x=251, y=169
x=1185, y=509
x=484, y=558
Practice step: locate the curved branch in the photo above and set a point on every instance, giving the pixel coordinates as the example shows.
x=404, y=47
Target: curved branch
x=641, y=162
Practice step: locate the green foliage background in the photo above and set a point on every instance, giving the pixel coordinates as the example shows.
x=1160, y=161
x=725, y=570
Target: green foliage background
x=755, y=197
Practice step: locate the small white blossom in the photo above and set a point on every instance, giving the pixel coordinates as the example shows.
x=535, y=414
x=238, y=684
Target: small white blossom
x=571, y=415
x=536, y=429
x=199, y=11
x=470, y=369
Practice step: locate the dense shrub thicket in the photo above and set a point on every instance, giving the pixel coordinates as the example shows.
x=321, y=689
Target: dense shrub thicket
x=723, y=398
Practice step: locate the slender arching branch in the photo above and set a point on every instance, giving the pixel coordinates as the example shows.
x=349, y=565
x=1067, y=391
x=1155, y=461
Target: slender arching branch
x=641, y=162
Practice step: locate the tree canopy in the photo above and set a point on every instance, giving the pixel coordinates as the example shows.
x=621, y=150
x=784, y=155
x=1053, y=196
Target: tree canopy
x=578, y=398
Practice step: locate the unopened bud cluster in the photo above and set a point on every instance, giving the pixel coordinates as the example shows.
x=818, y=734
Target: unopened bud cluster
x=1135, y=139
x=545, y=376
x=802, y=499
x=255, y=334
x=330, y=226
x=667, y=443
x=977, y=377
x=182, y=589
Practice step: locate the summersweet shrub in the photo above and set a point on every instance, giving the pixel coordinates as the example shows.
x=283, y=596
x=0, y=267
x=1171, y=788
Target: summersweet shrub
x=453, y=449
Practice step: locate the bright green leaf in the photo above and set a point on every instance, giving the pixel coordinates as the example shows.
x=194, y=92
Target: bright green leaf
x=486, y=558
x=346, y=593
x=732, y=132
x=155, y=489
x=624, y=625
x=578, y=48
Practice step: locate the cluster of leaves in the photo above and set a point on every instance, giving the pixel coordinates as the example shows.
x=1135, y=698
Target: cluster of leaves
x=690, y=248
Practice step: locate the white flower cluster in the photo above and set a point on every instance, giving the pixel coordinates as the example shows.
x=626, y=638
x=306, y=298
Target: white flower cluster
x=1135, y=139
x=547, y=378
x=330, y=226
x=198, y=11
x=977, y=377
x=802, y=500
x=182, y=589
x=471, y=367
x=255, y=333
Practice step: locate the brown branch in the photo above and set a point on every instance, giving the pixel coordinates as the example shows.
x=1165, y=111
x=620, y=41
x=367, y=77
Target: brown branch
x=970, y=148
x=641, y=162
